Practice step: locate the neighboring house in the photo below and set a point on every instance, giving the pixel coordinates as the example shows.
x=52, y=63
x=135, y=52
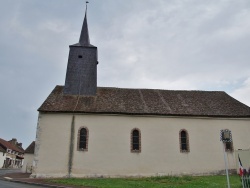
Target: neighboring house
x=13, y=153
x=89, y=131
x=28, y=158
x=2, y=156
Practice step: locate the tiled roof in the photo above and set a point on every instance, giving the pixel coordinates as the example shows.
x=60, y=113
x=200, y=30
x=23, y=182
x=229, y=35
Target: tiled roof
x=147, y=102
x=30, y=148
x=5, y=144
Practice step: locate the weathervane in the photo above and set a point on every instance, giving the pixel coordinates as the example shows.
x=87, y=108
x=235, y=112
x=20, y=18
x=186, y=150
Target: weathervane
x=87, y=5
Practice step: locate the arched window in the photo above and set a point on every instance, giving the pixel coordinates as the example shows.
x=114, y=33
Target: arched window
x=184, y=141
x=83, y=134
x=135, y=140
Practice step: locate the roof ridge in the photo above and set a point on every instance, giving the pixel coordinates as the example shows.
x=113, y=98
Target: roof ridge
x=154, y=89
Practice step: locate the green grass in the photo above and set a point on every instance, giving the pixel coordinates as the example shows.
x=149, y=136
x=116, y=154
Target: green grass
x=154, y=182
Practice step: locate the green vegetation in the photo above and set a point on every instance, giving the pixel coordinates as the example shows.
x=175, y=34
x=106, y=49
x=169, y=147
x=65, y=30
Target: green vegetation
x=154, y=182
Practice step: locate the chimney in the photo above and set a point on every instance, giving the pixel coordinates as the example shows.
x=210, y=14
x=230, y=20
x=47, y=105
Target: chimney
x=13, y=141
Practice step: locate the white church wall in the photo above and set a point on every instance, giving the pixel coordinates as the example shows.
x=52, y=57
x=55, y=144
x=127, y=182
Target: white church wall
x=244, y=157
x=109, y=145
x=52, y=145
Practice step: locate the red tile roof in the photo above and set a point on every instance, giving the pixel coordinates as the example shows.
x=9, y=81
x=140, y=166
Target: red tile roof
x=7, y=145
x=147, y=102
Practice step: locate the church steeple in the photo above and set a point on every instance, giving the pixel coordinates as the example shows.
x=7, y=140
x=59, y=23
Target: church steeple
x=81, y=76
x=84, y=37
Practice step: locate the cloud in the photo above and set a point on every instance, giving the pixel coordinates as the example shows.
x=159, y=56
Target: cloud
x=174, y=44
x=243, y=92
x=178, y=40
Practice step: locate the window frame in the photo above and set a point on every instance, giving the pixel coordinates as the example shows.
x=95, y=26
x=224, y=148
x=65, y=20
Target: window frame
x=132, y=141
x=187, y=150
x=79, y=137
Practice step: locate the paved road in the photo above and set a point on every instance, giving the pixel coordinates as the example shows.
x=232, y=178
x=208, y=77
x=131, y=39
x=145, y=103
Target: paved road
x=6, y=171
x=7, y=184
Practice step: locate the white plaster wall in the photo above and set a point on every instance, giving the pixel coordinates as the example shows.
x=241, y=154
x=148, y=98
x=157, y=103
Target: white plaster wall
x=109, y=145
x=52, y=145
x=2, y=158
x=244, y=157
x=28, y=162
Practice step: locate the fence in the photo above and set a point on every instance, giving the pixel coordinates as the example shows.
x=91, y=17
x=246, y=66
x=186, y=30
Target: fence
x=245, y=180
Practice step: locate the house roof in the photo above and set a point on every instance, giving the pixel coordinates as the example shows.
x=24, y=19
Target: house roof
x=30, y=148
x=5, y=144
x=147, y=102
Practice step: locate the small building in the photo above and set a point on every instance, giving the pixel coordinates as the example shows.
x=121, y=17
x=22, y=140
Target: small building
x=13, y=153
x=28, y=158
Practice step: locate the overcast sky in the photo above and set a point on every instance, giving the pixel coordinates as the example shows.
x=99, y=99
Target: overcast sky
x=165, y=44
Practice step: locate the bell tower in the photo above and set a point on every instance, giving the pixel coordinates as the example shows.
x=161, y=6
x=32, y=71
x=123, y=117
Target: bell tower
x=81, y=75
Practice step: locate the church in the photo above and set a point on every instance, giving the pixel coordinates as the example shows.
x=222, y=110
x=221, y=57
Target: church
x=89, y=131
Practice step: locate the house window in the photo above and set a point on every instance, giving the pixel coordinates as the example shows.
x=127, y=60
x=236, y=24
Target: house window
x=184, y=141
x=83, y=134
x=135, y=141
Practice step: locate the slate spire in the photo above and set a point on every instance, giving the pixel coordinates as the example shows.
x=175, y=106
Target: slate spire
x=81, y=75
x=84, y=37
